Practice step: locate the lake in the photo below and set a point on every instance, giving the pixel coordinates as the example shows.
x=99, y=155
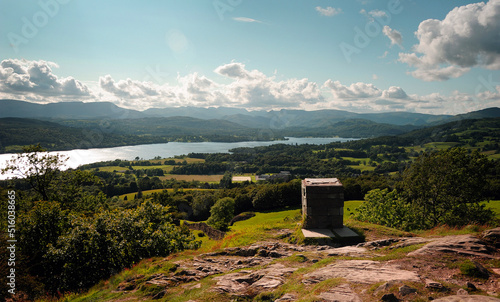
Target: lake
x=80, y=157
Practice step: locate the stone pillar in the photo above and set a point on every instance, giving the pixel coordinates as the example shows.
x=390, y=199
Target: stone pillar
x=322, y=203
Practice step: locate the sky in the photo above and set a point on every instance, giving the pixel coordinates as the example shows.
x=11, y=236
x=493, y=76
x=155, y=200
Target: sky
x=427, y=56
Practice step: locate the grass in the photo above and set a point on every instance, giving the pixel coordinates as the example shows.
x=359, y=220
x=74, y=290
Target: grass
x=165, y=168
x=130, y=196
x=258, y=228
x=201, y=178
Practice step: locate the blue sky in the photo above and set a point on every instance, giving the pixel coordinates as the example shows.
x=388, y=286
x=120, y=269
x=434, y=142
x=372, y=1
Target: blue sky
x=363, y=56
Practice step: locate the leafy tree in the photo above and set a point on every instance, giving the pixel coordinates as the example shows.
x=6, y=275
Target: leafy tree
x=73, y=189
x=444, y=187
x=96, y=247
x=447, y=186
x=387, y=208
x=227, y=180
x=39, y=168
x=221, y=213
x=202, y=202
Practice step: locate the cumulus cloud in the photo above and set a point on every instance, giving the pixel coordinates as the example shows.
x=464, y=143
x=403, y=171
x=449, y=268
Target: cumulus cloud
x=394, y=35
x=249, y=88
x=394, y=93
x=355, y=90
x=254, y=89
x=24, y=79
x=365, y=97
x=328, y=11
x=467, y=37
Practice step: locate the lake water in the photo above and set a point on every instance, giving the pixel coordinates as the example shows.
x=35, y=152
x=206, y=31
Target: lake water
x=86, y=156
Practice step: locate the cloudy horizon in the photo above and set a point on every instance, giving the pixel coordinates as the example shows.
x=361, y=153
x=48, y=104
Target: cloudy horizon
x=390, y=56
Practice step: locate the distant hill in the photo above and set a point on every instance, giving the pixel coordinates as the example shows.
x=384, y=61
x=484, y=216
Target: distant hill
x=280, y=119
x=461, y=131
x=351, y=128
x=65, y=110
x=18, y=132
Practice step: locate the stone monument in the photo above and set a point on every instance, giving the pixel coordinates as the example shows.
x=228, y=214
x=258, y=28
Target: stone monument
x=322, y=203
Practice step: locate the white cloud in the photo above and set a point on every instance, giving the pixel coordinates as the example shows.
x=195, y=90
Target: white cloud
x=394, y=93
x=253, y=89
x=245, y=19
x=377, y=13
x=355, y=90
x=394, y=35
x=249, y=88
x=328, y=11
x=32, y=80
x=467, y=37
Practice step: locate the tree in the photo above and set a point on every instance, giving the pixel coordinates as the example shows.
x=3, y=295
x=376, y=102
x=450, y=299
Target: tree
x=221, y=213
x=439, y=188
x=39, y=168
x=447, y=186
x=227, y=180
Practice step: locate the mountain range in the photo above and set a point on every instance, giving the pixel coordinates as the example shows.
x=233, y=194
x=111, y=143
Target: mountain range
x=280, y=119
x=69, y=125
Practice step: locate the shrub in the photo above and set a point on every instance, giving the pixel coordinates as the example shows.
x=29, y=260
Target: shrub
x=221, y=213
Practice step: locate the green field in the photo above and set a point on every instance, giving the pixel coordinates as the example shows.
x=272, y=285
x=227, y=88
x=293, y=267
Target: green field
x=130, y=196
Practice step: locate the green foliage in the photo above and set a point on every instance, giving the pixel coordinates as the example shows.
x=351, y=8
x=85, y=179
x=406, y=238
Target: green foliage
x=277, y=195
x=221, y=213
x=202, y=202
x=447, y=186
x=96, y=247
x=444, y=187
x=386, y=208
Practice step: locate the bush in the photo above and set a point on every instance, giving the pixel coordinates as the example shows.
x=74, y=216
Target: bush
x=96, y=247
x=221, y=213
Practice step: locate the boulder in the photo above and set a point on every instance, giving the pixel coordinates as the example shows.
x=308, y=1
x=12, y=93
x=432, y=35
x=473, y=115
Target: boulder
x=406, y=290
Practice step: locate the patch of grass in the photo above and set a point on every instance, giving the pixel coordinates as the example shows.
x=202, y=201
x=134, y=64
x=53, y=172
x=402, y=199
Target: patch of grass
x=201, y=178
x=398, y=253
x=468, y=268
x=130, y=196
x=258, y=228
x=494, y=205
x=445, y=230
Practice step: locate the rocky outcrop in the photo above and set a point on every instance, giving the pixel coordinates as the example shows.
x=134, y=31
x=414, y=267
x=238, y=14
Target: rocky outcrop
x=467, y=245
x=361, y=271
x=244, y=281
x=261, y=268
x=342, y=293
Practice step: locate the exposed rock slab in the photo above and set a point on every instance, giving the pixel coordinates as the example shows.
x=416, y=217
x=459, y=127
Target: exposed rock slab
x=468, y=298
x=461, y=244
x=342, y=293
x=265, y=279
x=361, y=271
x=352, y=251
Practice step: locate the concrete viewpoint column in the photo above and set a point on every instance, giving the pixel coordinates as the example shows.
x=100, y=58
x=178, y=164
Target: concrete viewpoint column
x=322, y=203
